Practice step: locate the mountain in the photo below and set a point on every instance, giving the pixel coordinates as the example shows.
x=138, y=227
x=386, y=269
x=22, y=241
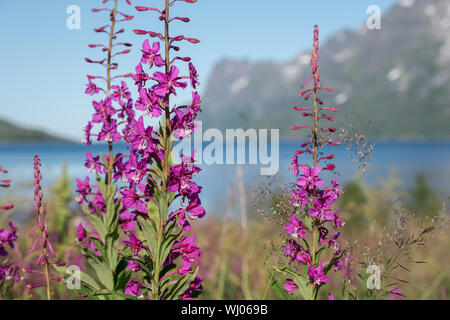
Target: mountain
x=12, y=133
x=393, y=82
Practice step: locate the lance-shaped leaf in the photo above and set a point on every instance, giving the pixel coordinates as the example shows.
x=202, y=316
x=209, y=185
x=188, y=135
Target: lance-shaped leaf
x=180, y=287
x=299, y=280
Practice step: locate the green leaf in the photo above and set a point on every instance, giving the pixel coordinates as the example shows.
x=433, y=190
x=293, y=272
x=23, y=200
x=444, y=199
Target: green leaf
x=300, y=281
x=102, y=271
x=279, y=290
x=121, y=266
x=331, y=263
x=96, y=222
x=180, y=286
x=84, y=277
x=100, y=183
x=144, y=267
x=168, y=242
x=153, y=214
x=166, y=246
x=98, y=245
x=111, y=213
x=121, y=295
x=308, y=222
x=149, y=231
x=167, y=269
x=111, y=251
x=122, y=280
x=319, y=253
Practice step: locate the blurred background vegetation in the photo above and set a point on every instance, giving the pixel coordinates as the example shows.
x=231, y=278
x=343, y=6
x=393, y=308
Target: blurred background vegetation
x=403, y=232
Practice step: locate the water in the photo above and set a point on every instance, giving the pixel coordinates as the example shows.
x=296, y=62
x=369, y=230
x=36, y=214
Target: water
x=406, y=158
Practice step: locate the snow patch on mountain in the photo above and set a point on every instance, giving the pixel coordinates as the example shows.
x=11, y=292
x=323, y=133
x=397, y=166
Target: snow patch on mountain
x=239, y=84
x=407, y=3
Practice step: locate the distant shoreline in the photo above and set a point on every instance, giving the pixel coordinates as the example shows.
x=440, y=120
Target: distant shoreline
x=392, y=140
x=283, y=141
x=31, y=142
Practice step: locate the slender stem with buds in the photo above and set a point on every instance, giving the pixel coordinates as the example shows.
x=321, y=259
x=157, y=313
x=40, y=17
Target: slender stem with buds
x=47, y=276
x=108, y=91
x=310, y=195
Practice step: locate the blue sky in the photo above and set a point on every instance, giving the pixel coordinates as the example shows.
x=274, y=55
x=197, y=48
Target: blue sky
x=42, y=68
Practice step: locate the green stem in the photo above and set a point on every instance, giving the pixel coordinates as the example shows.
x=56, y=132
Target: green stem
x=47, y=276
x=313, y=256
x=267, y=287
x=316, y=151
x=163, y=203
x=108, y=91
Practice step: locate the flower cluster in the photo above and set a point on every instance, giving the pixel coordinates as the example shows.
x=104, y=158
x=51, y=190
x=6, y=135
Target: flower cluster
x=8, y=271
x=7, y=238
x=154, y=182
x=5, y=183
x=140, y=186
x=312, y=200
x=41, y=243
x=116, y=108
x=114, y=115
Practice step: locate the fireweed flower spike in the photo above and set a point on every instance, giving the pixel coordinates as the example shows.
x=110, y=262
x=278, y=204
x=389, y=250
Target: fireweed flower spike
x=103, y=202
x=41, y=243
x=162, y=195
x=5, y=183
x=312, y=246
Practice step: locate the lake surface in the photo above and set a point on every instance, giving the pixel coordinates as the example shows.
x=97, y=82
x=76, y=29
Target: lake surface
x=405, y=158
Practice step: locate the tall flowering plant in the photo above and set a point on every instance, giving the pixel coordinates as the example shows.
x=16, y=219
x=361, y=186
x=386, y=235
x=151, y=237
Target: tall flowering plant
x=312, y=246
x=41, y=243
x=8, y=270
x=101, y=201
x=162, y=194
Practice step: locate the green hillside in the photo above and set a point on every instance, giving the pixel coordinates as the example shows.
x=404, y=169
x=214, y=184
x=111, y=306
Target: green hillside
x=12, y=133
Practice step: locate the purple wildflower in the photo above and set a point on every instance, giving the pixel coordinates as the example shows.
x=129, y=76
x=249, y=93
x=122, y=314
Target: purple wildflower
x=290, y=286
x=121, y=93
x=149, y=103
x=83, y=189
x=5, y=184
x=193, y=75
x=316, y=275
x=133, y=288
x=134, y=266
x=91, y=88
x=168, y=82
x=134, y=243
x=295, y=227
x=131, y=200
x=92, y=163
x=7, y=237
x=310, y=178
x=140, y=77
x=150, y=55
